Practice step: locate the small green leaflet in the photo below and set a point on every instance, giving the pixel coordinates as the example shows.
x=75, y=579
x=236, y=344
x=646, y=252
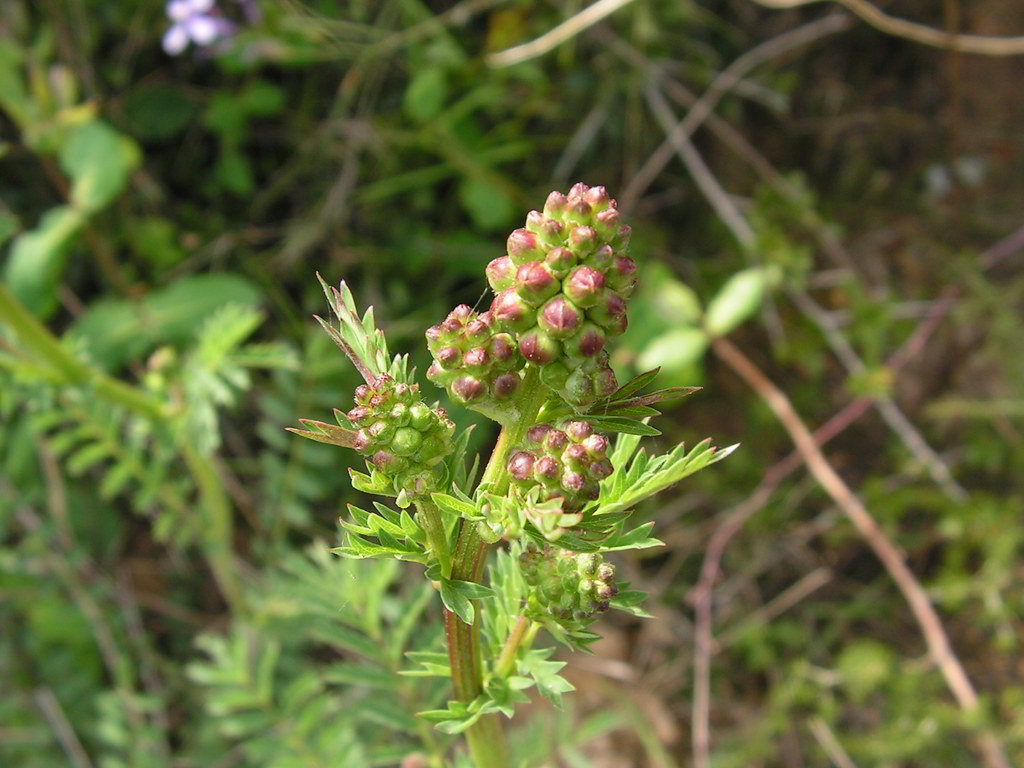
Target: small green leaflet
x=359, y=338
x=457, y=597
x=645, y=476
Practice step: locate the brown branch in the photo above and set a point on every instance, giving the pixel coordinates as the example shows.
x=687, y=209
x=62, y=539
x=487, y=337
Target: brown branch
x=982, y=45
x=924, y=612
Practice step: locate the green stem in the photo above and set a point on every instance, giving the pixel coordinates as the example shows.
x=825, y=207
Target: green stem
x=217, y=530
x=430, y=518
x=36, y=337
x=485, y=737
x=217, y=534
x=507, y=660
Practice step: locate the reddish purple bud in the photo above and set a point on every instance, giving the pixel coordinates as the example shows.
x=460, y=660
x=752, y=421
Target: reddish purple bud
x=602, y=258
x=556, y=441
x=537, y=433
x=503, y=349
x=501, y=274
x=552, y=232
x=523, y=246
x=583, y=239
x=477, y=358
x=520, y=465
x=560, y=261
x=607, y=223
x=597, y=197
x=537, y=347
x=560, y=317
x=578, y=191
x=362, y=393
x=596, y=445
x=461, y=313
x=535, y=222
x=587, y=343
x=478, y=329
x=506, y=385
x=573, y=482
x=466, y=389
x=579, y=212
x=359, y=414
x=608, y=310
x=435, y=372
x=448, y=357
x=362, y=440
x=621, y=240
x=578, y=430
x=510, y=311
x=575, y=455
x=546, y=470
x=605, y=384
x=606, y=572
x=535, y=283
x=600, y=469
x=433, y=334
x=622, y=276
x=606, y=592
x=555, y=204
x=584, y=286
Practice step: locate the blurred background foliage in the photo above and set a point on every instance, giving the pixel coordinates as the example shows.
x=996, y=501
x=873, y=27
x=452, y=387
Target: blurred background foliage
x=166, y=594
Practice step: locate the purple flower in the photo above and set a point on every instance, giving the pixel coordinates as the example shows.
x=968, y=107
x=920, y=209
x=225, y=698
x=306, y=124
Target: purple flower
x=195, y=21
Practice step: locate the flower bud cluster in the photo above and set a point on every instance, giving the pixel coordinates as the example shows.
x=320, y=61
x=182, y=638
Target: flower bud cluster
x=405, y=439
x=566, y=586
x=564, y=462
x=562, y=289
x=473, y=360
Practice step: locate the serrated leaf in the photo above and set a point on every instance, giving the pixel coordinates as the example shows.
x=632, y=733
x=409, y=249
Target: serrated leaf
x=457, y=602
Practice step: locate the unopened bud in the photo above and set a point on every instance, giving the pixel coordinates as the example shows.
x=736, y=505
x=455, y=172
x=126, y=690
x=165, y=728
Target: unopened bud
x=584, y=286
x=506, y=385
x=560, y=317
x=538, y=347
x=501, y=274
x=535, y=283
x=523, y=246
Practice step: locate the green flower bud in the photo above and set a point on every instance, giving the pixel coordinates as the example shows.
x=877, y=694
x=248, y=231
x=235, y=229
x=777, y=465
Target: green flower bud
x=538, y=347
x=560, y=318
x=511, y=313
x=535, y=283
x=560, y=261
x=523, y=246
x=584, y=286
x=501, y=274
x=587, y=342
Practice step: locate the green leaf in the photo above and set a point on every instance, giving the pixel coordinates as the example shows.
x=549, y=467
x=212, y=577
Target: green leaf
x=675, y=349
x=456, y=601
x=99, y=161
x=486, y=202
x=426, y=94
x=120, y=331
x=645, y=476
x=739, y=299
x=36, y=260
x=454, y=506
x=623, y=425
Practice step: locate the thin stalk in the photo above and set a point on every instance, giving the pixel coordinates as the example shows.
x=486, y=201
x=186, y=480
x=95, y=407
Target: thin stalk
x=217, y=531
x=485, y=737
x=36, y=337
x=507, y=660
x=430, y=518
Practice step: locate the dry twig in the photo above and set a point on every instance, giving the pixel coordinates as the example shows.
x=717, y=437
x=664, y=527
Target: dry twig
x=924, y=612
x=553, y=38
x=983, y=45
